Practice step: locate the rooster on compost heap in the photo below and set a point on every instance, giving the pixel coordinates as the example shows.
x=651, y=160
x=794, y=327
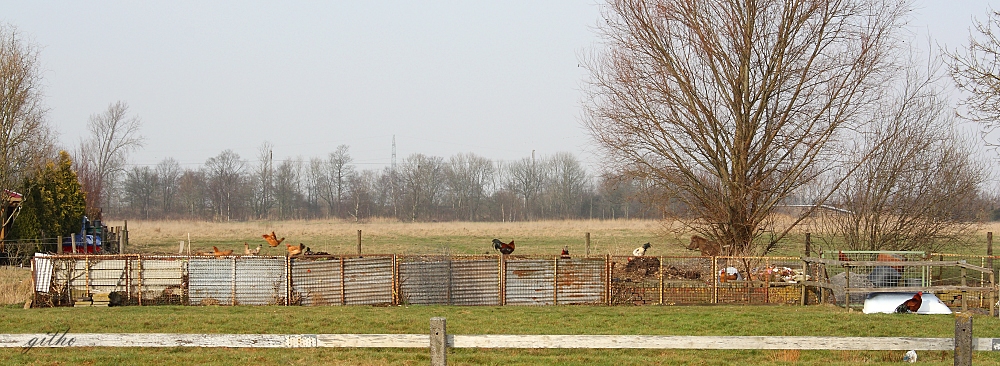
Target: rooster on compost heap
x=505, y=248
x=911, y=305
x=641, y=251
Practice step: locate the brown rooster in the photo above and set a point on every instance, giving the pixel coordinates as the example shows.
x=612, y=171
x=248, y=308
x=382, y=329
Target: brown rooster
x=505, y=248
x=272, y=240
x=911, y=305
x=218, y=253
x=842, y=257
x=295, y=250
x=565, y=253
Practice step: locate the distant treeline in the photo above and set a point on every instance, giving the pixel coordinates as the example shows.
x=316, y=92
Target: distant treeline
x=420, y=188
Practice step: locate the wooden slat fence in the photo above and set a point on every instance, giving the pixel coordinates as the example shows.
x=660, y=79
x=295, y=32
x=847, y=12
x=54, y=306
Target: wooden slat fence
x=439, y=341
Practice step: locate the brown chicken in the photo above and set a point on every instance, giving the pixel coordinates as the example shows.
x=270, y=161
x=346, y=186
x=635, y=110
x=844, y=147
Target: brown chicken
x=565, y=253
x=505, y=248
x=295, y=250
x=272, y=240
x=843, y=257
x=218, y=253
x=911, y=305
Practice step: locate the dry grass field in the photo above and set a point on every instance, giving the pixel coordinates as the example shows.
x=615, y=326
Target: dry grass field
x=616, y=237
x=15, y=285
x=383, y=237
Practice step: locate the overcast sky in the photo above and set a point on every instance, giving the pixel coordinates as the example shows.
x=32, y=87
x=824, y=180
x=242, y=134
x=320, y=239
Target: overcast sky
x=495, y=78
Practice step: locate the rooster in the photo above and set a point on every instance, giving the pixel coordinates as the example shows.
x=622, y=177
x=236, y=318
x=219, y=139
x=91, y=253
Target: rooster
x=295, y=250
x=219, y=253
x=565, y=253
x=641, y=251
x=843, y=257
x=248, y=251
x=911, y=305
x=272, y=240
x=505, y=248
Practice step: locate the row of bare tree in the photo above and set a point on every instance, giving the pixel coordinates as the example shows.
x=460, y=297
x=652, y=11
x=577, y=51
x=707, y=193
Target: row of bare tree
x=422, y=188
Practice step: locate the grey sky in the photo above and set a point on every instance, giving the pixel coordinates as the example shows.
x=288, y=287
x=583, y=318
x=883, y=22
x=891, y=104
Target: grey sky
x=495, y=78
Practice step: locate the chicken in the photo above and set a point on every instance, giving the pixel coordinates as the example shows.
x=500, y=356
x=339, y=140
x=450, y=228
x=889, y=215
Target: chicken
x=505, y=248
x=272, y=240
x=248, y=251
x=911, y=305
x=843, y=257
x=910, y=356
x=219, y=253
x=295, y=249
x=641, y=251
x=565, y=253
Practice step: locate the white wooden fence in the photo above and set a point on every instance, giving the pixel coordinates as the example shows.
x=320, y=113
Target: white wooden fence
x=438, y=341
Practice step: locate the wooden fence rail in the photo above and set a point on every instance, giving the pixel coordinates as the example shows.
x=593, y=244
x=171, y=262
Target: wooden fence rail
x=963, y=336
x=159, y=340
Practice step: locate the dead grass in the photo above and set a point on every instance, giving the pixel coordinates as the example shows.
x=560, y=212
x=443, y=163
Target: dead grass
x=383, y=236
x=15, y=286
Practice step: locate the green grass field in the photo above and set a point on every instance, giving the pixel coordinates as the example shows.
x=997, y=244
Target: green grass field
x=649, y=320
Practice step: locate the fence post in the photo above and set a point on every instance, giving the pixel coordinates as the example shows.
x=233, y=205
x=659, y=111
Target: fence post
x=288, y=280
x=359, y=242
x=439, y=342
x=963, y=339
x=715, y=281
x=588, y=245
x=59, y=248
x=965, y=303
x=72, y=241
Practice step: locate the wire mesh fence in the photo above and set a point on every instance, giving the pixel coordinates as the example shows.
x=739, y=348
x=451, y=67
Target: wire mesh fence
x=61, y=280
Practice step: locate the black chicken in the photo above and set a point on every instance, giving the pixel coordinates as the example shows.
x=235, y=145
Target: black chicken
x=505, y=248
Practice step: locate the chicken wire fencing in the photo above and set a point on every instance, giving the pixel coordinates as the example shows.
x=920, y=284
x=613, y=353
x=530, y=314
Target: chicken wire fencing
x=65, y=280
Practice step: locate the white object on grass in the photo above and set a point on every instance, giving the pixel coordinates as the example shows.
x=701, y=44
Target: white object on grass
x=886, y=302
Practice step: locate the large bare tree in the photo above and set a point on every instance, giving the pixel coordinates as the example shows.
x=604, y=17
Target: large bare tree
x=734, y=105
x=113, y=134
x=976, y=70
x=26, y=140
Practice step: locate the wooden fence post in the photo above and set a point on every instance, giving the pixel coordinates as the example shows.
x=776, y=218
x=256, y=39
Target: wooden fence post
x=439, y=342
x=59, y=248
x=588, y=245
x=359, y=242
x=804, y=297
x=963, y=339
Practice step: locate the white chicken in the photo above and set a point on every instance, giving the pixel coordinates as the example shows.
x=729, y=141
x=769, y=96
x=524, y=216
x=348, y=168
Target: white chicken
x=641, y=251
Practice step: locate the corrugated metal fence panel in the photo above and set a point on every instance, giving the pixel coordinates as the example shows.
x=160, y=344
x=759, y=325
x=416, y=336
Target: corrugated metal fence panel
x=368, y=280
x=210, y=281
x=580, y=281
x=260, y=281
x=529, y=282
x=475, y=282
x=425, y=282
x=316, y=282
